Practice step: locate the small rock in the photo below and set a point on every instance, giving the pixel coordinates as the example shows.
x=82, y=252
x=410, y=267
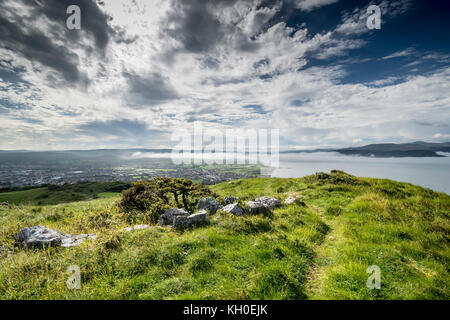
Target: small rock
x=230, y=200
x=255, y=207
x=168, y=217
x=209, y=204
x=42, y=237
x=4, y=204
x=234, y=208
x=73, y=241
x=137, y=227
x=292, y=200
x=270, y=203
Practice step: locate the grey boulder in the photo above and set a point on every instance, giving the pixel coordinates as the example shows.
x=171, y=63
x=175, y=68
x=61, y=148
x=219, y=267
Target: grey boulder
x=168, y=217
x=268, y=202
x=234, y=208
x=196, y=219
x=181, y=222
x=209, y=204
x=42, y=237
x=230, y=200
x=256, y=207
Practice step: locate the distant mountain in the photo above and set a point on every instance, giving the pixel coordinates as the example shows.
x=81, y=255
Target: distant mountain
x=387, y=150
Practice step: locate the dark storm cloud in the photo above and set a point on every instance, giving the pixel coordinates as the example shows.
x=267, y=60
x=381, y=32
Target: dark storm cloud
x=93, y=20
x=150, y=89
x=44, y=47
x=119, y=128
x=193, y=24
x=36, y=46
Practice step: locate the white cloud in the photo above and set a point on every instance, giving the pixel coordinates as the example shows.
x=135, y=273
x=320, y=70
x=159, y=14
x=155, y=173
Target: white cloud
x=308, y=5
x=214, y=85
x=403, y=53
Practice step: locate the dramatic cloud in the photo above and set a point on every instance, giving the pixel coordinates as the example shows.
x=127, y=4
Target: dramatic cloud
x=138, y=70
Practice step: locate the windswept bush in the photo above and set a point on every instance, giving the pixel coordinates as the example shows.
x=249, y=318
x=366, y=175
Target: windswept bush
x=155, y=196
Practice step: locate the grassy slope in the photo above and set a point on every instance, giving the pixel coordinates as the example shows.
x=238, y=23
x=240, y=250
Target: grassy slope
x=62, y=194
x=321, y=251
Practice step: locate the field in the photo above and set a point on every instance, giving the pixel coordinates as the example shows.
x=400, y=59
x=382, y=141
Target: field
x=318, y=251
x=53, y=194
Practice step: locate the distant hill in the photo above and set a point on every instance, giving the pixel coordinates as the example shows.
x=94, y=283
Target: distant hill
x=414, y=149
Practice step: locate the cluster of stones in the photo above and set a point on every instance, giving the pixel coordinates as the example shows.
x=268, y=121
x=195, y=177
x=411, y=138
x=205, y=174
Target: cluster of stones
x=42, y=237
x=181, y=219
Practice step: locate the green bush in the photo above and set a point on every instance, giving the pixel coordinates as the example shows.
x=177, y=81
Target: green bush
x=153, y=197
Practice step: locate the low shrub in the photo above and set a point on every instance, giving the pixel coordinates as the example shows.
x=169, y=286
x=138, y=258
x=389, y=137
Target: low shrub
x=153, y=197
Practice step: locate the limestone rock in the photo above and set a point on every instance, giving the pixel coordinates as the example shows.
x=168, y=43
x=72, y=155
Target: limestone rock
x=256, y=207
x=294, y=200
x=234, y=208
x=42, y=237
x=196, y=219
x=73, y=241
x=230, y=200
x=181, y=222
x=209, y=204
x=270, y=203
x=168, y=217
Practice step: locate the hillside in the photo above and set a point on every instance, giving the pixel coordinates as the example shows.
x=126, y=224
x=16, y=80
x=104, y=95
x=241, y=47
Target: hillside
x=414, y=149
x=318, y=251
x=53, y=194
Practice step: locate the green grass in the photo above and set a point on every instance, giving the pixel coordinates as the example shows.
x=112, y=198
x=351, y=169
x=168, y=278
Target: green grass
x=63, y=194
x=320, y=251
x=25, y=196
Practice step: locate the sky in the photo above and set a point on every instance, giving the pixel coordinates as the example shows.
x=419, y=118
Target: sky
x=136, y=71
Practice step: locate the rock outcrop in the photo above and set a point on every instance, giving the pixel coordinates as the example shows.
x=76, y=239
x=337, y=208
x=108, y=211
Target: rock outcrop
x=196, y=219
x=168, y=217
x=234, y=208
x=42, y=237
x=209, y=204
